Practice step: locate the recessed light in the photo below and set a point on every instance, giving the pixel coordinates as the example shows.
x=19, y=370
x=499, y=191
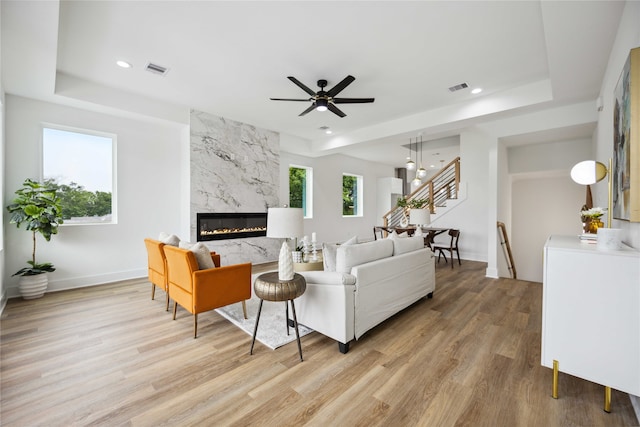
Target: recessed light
x=123, y=64
x=326, y=129
x=476, y=91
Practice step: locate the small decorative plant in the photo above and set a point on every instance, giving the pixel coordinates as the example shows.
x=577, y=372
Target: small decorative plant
x=414, y=203
x=38, y=207
x=593, y=213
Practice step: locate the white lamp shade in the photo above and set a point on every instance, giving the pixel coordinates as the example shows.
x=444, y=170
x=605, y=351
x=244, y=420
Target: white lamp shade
x=588, y=172
x=284, y=222
x=420, y=216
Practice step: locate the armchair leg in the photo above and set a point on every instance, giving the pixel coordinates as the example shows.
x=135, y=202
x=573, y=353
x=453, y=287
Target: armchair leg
x=175, y=309
x=244, y=309
x=153, y=291
x=167, y=309
x=195, y=326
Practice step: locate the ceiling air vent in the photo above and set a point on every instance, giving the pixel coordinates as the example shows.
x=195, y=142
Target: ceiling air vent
x=156, y=69
x=458, y=87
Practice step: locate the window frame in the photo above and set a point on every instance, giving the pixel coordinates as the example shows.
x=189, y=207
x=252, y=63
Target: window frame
x=359, y=206
x=307, y=205
x=90, y=132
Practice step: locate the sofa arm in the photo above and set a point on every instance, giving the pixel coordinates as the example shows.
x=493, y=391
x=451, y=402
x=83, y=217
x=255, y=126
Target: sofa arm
x=328, y=278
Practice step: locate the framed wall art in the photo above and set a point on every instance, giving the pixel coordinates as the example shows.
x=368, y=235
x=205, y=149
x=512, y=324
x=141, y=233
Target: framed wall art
x=626, y=141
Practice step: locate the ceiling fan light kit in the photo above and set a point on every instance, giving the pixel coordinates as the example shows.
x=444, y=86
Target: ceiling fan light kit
x=326, y=100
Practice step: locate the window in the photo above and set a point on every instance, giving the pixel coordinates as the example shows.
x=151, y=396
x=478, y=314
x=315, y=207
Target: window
x=80, y=163
x=351, y=195
x=300, y=193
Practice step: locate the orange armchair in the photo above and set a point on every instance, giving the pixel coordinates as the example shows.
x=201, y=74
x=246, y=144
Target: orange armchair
x=198, y=291
x=157, y=267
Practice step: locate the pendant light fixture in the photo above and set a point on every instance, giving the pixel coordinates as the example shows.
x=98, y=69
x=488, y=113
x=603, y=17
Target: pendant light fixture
x=410, y=163
x=416, y=181
x=422, y=172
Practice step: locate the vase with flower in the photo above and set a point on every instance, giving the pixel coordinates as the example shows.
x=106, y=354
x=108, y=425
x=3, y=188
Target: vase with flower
x=591, y=219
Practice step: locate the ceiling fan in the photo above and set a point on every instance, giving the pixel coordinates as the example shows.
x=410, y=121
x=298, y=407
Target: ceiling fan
x=326, y=100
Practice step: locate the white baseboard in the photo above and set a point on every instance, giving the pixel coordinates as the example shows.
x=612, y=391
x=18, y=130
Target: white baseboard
x=83, y=282
x=635, y=402
x=3, y=302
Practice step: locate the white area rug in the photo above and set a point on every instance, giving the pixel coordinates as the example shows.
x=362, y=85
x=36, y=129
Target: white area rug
x=272, y=330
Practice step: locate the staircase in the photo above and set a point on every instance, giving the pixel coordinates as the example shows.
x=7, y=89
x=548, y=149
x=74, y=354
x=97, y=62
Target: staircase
x=442, y=189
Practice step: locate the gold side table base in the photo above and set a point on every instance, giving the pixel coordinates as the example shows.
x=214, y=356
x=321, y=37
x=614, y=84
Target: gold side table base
x=269, y=287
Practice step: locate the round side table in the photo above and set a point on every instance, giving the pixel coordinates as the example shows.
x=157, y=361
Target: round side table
x=269, y=287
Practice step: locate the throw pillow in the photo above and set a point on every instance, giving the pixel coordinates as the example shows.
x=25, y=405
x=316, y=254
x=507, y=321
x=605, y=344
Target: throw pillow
x=410, y=244
x=202, y=253
x=329, y=253
x=352, y=255
x=169, y=239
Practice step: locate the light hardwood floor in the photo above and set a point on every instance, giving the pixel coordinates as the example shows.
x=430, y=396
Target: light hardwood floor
x=110, y=356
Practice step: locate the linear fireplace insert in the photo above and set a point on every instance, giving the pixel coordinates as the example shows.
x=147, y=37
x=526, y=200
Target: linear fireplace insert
x=221, y=226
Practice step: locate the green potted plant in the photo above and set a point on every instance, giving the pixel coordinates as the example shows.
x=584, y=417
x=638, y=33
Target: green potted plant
x=38, y=207
x=411, y=204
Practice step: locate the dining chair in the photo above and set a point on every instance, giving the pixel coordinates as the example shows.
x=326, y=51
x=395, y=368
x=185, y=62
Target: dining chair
x=453, y=247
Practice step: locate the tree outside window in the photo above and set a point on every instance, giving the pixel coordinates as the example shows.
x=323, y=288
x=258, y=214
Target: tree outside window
x=80, y=165
x=351, y=195
x=300, y=185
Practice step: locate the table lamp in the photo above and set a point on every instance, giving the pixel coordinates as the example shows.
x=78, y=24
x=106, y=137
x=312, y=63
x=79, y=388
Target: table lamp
x=285, y=223
x=420, y=217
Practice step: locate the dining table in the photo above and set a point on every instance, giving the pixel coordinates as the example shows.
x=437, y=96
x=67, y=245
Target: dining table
x=429, y=233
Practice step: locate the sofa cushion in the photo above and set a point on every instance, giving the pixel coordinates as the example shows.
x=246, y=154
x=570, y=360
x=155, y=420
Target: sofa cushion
x=348, y=256
x=202, y=253
x=329, y=253
x=410, y=244
x=169, y=239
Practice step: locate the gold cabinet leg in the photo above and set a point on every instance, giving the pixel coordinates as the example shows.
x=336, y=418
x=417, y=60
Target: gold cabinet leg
x=607, y=399
x=554, y=392
x=244, y=309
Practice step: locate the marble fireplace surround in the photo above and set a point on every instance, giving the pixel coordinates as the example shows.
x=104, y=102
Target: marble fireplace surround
x=234, y=168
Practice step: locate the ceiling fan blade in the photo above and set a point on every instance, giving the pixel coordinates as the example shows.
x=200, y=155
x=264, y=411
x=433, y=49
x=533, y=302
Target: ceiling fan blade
x=340, y=86
x=301, y=85
x=352, y=100
x=289, y=99
x=335, y=110
x=313, y=106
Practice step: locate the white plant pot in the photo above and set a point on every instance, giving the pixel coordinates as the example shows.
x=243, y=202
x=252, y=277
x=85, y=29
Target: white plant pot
x=32, y=287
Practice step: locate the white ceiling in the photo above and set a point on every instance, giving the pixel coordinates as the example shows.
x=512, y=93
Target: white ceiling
x=229, y=58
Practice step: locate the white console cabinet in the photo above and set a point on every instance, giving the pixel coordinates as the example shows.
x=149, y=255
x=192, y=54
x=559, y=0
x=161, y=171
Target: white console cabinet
x=591, y=313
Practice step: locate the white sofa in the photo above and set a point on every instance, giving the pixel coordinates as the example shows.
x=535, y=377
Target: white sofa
x=372, y=282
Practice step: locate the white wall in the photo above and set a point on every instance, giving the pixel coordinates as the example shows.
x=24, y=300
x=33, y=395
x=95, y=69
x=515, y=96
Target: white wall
x=471, y=215
x=149, y=184
x=327, y=221
x=542, y=206
x=544, y=199
x=3, y=292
